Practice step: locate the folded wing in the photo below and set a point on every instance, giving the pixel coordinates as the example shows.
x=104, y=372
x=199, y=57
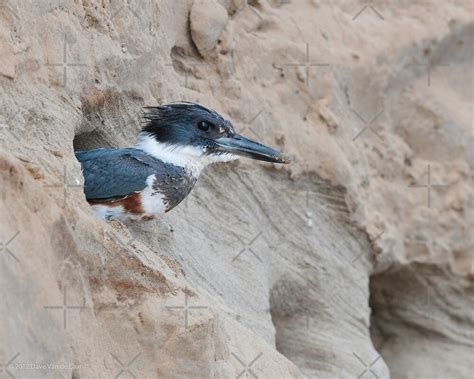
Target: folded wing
x=115, y=173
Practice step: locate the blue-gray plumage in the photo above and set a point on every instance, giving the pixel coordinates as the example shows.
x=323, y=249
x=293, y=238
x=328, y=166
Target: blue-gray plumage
x=178, y=141
x=115, y=173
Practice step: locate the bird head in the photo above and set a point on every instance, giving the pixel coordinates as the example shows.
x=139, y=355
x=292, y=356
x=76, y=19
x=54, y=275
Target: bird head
x=188, y=134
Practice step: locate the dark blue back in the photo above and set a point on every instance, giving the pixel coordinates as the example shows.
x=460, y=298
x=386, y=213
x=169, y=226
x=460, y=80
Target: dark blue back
x=116, y=173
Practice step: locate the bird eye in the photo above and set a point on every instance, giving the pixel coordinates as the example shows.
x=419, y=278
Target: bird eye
x=204, y=126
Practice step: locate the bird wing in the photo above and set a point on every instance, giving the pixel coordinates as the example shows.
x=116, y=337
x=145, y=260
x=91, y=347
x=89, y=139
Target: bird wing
x=115, y=173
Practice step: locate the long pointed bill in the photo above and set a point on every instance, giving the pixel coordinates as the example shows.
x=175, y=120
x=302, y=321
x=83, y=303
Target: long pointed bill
x=243, y=146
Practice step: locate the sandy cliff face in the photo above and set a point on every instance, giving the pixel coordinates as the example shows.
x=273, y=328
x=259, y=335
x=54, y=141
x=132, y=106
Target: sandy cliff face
x=353, y=261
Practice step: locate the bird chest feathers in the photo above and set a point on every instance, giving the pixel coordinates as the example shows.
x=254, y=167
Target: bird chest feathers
x=162, y=193
x=173, y=188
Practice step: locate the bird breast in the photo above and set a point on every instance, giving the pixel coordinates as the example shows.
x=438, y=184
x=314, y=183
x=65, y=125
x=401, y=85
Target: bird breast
x=173, y=188
x=162, y=193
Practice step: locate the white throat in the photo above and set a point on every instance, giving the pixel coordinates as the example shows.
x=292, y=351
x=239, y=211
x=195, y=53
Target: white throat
x=189, y=157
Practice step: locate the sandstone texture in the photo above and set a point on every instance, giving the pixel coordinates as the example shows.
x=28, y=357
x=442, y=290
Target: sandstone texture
x=356, y=260
x=208, y=19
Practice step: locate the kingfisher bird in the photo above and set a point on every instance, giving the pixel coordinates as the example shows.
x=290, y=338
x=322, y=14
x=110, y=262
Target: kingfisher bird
x=177, y=141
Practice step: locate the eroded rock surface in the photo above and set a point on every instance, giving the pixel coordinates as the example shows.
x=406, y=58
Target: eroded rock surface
x=354, y=260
